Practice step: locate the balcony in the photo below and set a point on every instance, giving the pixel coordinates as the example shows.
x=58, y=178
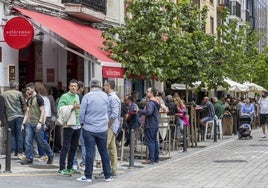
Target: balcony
x=223, y=4
x=90, y=10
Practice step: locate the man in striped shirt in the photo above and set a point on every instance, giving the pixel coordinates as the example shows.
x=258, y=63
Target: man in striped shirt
x=209, y=110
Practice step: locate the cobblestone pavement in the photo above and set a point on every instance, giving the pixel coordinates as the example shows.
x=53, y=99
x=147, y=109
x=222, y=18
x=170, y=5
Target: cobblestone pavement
x=228, y=163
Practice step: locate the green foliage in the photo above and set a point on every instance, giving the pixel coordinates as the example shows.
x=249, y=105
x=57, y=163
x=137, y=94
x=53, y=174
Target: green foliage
x=167, y=41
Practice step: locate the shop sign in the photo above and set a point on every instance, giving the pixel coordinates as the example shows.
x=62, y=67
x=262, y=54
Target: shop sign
x=113, y=72
x=18, y=32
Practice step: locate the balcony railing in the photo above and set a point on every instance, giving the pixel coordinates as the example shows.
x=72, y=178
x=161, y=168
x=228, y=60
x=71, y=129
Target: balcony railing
x=99, y=5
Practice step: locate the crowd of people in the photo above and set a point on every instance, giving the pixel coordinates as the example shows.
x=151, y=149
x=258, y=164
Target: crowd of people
x=255, y=108
x=96, y=119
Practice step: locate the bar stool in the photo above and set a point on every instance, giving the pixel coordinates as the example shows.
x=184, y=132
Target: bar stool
x=210, y=133
x=219, y=127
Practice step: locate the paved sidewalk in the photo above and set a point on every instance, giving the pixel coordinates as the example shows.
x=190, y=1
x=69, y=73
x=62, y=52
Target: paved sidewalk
x=40, y=167
x=228, y=163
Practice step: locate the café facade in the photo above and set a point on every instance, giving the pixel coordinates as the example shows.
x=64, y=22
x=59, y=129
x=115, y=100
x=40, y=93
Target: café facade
x=36, y=46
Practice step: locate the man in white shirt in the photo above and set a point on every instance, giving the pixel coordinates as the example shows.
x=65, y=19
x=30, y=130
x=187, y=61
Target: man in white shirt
x=263, y=111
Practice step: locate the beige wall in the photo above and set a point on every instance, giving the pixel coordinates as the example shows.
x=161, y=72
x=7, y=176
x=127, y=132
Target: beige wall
x=212, y=10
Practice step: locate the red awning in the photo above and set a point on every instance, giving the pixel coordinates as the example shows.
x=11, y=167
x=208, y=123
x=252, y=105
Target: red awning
x=87, y=38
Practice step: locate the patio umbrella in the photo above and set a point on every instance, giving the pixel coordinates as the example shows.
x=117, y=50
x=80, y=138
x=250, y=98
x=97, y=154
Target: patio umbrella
x=235, y=86
x=252, y=87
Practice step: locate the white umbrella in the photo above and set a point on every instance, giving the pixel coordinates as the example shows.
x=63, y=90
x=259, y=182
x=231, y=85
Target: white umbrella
x=235, y=86
x=178, y=87
x=183, y=86
x=254, y=87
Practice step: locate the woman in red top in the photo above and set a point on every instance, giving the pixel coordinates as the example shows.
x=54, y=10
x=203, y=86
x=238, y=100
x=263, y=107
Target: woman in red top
x=181, y=116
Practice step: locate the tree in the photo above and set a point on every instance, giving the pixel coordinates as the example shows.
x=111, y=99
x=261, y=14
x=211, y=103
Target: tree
x=260, y=69
x=161, y=40
x=167, y=41
x=144, y=42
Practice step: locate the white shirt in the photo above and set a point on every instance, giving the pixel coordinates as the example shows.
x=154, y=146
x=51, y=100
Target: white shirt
x=47, y=106
x=263, y=103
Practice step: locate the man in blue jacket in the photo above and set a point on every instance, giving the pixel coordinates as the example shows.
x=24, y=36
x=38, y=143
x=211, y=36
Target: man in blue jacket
x=152, y=117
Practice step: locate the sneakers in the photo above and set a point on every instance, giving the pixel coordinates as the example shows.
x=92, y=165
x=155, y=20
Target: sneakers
x=109, y=179
x=50, y=160
x=27, y=162
x=22, y=157
x=264, y=136
x=74, y=171
x=84, y=179
x=147, y=162
x=44, y=158
x=64, y=172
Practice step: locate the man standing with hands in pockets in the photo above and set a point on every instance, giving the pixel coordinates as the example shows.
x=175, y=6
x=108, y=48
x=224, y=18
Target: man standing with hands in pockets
x=114, y=112
x=152, y=117
x=94, y=120
x=72, y=132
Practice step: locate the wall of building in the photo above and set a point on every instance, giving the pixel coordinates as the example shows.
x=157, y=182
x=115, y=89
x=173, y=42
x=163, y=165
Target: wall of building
x=261, y=14
x=211, y=21
x=54, y=57
x=9, y=55
x=115, y=12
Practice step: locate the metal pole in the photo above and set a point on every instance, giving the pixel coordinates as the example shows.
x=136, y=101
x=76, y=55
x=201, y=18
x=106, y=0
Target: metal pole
x=132, y=145
x=8, y=153
x=215, y=130
x=184, y=138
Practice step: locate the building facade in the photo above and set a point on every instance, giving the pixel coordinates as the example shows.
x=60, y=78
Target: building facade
x=57, y=55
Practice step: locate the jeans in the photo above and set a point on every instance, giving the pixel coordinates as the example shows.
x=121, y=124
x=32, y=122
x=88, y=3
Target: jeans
x=150, y=135
x=40, y=151
x=16, y=135
x=83, y=150
x=38, y=134
x=100, y=139
x=57, y=139
x=70, y=143
x=179, y=127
